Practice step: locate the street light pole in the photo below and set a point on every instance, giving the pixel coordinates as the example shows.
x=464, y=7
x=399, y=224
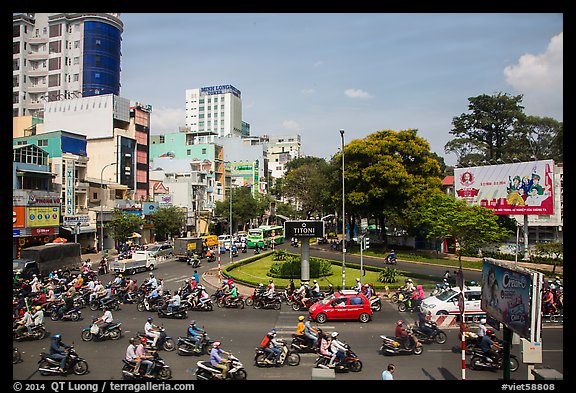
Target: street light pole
x=343, y=219
x=101, y=207
x=230, y=222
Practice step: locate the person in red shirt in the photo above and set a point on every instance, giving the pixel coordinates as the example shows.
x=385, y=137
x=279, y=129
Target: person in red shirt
x=401, y=334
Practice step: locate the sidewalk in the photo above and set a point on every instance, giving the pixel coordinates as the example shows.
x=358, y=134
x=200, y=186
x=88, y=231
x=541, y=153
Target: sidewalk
x=210, y=278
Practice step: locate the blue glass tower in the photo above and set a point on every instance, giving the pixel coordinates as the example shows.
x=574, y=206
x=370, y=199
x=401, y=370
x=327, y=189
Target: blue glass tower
x=101, y=73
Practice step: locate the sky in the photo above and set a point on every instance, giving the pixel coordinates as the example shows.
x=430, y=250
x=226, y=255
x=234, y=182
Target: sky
x=314, y=74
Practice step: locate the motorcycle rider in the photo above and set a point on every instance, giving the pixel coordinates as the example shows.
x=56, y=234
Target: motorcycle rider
x=402, y=335
x=548, y=301
x=330, y=290
x=338, y=349
x=271, y=292
x=142, y=358
x=174, y=302
x=38, y=316
x=203, y=296
x=56, y=353
x=424, y=323
x=68, y=304
x=131, y=352
x=152, y=331
x=25, y=323
x=391, y=256
x=152, y=282
x=104, y=321
x=230, y=294
x=315, y=290
x=217, y=361
x=275, y=345
x=194, y=333
x=300, y=328
x=481, y=330
x=358, y=286
x=490, y=347
x=324, y=347
x=311, y=332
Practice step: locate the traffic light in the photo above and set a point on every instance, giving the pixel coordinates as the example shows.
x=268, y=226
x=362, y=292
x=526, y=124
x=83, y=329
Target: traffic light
x=366, y=242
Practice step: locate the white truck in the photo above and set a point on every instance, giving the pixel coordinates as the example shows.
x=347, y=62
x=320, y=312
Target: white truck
x=140, y=261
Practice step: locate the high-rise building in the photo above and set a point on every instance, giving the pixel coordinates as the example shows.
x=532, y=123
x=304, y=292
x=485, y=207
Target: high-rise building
x=58, y=56
x=216, y=110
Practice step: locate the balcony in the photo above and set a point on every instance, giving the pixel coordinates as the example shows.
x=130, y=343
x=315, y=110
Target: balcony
x=37, y=55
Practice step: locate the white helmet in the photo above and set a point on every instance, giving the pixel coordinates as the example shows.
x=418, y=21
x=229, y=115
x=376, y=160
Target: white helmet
x=334, y=334
x=483, y=321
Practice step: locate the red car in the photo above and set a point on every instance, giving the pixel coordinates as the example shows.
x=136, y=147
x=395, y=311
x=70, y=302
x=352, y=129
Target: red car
x=343, y=305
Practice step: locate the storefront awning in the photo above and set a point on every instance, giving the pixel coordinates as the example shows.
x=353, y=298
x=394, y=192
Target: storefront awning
x=22, y=172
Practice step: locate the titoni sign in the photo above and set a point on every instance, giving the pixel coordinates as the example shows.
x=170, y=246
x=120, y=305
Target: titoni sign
x=304, y=228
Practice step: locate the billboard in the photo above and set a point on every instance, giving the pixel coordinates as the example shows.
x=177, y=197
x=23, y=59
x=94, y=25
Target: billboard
x=519, y=188
x=47, y=216
x=18, y=216
x=306, y=228
x=511, y=295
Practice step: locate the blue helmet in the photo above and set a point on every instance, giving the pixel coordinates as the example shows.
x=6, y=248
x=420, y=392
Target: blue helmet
x=57, y=336
x=150, y=319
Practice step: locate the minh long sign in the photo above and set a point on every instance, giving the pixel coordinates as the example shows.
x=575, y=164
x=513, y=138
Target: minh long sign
x=305, y=228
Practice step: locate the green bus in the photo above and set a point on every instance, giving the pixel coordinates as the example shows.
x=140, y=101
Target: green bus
x=265, y=234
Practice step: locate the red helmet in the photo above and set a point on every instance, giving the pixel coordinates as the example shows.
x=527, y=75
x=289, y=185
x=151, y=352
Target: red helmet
x=143, y=340
x=399, y=322
x=490, y=332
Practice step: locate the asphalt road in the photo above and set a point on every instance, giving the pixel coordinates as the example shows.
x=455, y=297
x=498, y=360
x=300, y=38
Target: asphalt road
x=240, y=331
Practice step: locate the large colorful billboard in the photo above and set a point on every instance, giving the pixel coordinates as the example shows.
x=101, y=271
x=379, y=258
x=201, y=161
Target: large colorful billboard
x=47, y=216
x=511, y=295
x=520, y=188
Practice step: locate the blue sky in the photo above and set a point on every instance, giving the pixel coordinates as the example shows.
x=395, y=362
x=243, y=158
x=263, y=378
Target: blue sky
x=314, y=74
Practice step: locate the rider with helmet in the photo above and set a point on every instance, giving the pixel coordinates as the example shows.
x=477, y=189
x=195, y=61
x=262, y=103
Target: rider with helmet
x=490, y=346
x=310, y=332
x=194, y=333
x=56, y=351
x=152, y=331
x=338, y=349
x=401, y=334
x=217, y=361
x=142, y=358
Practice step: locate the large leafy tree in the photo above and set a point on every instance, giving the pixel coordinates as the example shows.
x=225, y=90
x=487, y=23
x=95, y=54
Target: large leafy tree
x=124, y=224
x=305, y=182
x=244, y=207
x=472, y=226
x=384, y=174
x=168, y=221
x=536, y=138
x=487, y=127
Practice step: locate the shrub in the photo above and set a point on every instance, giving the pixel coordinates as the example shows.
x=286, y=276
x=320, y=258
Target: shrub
x=291, y=267
x=388, y=275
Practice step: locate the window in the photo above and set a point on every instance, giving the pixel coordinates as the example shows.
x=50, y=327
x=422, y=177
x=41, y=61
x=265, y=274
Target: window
x=204, y=151
x=42, y=142
x=188, y=152
x=162, y=138
x=356, y=301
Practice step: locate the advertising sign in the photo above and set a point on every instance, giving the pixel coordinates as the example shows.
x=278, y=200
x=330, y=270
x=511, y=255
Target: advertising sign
x=511, y=295
x=149, y=208
x=43, y=216
x=307, y=228
x=70, y=180
x=520, y=188
x=18, y=216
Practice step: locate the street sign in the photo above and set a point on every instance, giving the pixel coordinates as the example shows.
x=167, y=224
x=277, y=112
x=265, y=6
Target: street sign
x=461, y=303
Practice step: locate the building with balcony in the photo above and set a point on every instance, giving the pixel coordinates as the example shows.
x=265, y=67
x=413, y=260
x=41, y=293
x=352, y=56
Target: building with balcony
x=58, y=56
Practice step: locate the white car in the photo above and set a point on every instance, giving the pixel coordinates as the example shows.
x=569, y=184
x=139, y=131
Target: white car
x=224, y=241
x=446, y=303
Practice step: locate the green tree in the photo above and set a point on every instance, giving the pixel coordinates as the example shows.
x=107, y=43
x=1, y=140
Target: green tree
x=244, y=208
x=124, y=224
x=385, y=174
x=472, y=226
x=306, y=182
x=488, y=127
x=168, y=221
x=536, y=138
x=556, y=250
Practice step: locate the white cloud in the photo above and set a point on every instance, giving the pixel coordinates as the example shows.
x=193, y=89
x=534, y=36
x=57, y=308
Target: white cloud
x=165, y=120
x=318, y=64
x=291, y=125
x=308, y=91
x=357, y=93
x=540, y=79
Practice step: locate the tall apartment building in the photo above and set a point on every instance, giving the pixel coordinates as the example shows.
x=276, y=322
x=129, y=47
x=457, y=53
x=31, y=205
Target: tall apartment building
x=58, y=56
x=281, y=150
x=217, y=110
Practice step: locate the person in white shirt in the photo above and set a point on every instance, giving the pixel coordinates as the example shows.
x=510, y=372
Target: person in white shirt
x=338, y=349
x=104, y=320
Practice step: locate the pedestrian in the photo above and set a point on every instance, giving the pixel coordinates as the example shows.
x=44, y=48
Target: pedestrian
x=387, y=374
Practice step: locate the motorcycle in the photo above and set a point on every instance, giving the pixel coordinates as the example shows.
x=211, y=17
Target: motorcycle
x=168, y=343
x=234, y=253
x=399, y=295
x=287, y=356
x=74, y=363
x=436, y=336
x=237, y=302
x=471, y=341
x=74, y=314
x=97, y=304
x=194, y=262
x=302, y=344
x=351, y=362
x=210, y=258
x=38, y=332
x=145, y=305
x=376, y=303
x=483, y=361
x=266, y=303
x=94, y=333
x=440, y=288
x=391, y=346
x=206, y=306
x=297, y=303
x=16, y=356
x=176, y=312
x=187, y=347
x=408, y=304
x=257, y=294
x=243, y=249
x=206, y=371
x=391, y=260
x=160, y=370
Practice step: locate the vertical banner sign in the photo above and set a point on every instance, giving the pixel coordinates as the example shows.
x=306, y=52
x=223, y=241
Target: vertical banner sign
x=70, y=180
